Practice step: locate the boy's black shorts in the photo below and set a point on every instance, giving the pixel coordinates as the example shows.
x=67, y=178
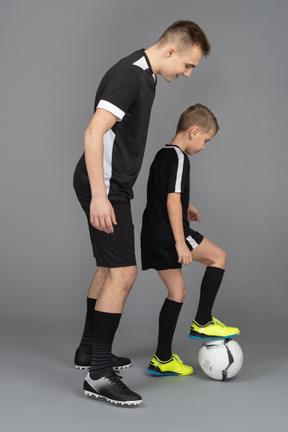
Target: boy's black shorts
x=116, y=249
x=164, y=257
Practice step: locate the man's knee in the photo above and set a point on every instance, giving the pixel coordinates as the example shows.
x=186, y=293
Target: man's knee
x=102, y=272
x=124, y=277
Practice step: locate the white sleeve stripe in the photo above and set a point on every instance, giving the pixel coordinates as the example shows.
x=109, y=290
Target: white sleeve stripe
x=108, y=106
x=179, y=170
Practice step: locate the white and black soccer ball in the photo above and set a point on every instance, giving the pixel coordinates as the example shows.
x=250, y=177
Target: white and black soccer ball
x=221, y=359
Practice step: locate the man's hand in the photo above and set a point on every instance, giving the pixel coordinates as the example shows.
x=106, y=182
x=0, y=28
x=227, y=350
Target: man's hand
x=193, y=214
x=184, y=254
x=102, y=215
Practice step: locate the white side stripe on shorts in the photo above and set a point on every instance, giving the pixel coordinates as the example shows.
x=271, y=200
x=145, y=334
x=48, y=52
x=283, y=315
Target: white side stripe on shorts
x=192, y=242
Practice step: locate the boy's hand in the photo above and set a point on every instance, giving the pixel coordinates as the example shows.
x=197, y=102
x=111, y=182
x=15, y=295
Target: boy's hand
x=193, y=214
x=184, y=254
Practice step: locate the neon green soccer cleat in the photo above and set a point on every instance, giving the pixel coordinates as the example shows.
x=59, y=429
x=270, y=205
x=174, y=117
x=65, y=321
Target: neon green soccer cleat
x=174, y=366
x=214, y=329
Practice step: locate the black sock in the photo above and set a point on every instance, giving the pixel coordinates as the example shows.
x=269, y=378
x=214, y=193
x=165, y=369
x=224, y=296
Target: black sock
x=87, y=337
x=209, y=289
x=167, y=323
x=105, y=326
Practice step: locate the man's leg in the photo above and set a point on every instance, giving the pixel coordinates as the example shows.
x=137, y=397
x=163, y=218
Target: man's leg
x=94, y=290
x=83, y=353
x=102, y=381
x=163, y=362
x=215, y=260
x=107, y=316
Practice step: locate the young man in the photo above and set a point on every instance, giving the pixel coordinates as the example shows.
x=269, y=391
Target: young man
x=103, y=180
x=167, y=241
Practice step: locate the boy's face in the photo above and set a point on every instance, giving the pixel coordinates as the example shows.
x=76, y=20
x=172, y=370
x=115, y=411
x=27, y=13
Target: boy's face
x=198, y=140
x=177, y=64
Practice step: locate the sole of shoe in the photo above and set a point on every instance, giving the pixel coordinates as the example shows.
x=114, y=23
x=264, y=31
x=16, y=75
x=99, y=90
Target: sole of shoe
x=112, y=401
x=115, y=367
x=205, y=337
x=157, y=373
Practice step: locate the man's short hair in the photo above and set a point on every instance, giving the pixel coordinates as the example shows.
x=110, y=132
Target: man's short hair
x=185, y=34
x=197, y=115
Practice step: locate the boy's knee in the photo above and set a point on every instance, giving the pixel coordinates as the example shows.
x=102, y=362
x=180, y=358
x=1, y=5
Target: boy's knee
x=222, y=259
x=178, y=296
x=184, y=293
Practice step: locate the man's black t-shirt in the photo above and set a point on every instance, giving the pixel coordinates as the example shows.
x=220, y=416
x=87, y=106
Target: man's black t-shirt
x=127, y=90
x=169, y=173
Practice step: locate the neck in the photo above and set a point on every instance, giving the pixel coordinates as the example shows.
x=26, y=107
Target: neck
x=153, y=56
x=179, y=141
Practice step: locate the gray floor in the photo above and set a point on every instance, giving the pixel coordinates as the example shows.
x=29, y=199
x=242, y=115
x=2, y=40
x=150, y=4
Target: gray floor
x=41, y=391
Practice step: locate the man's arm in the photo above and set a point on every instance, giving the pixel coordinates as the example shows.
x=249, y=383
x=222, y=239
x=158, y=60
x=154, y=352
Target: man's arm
x=102, y=214
x=174, y=208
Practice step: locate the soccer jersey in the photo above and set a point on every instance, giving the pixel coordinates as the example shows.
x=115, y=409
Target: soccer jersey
x=169, y=172
x=127, y=90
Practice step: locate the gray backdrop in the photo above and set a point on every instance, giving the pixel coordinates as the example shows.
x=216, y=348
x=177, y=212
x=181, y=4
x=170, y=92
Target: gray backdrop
x=53, y=55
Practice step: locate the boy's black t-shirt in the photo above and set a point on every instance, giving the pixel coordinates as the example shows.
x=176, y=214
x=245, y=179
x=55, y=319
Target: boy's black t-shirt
x=169, y=172
x=127, y=90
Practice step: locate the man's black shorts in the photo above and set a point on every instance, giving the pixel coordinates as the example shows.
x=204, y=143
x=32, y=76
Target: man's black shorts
x=164, y=257
x=116, y=249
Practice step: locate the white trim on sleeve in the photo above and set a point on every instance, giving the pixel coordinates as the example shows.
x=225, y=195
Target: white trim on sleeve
x=179, y=169
x=108, y=106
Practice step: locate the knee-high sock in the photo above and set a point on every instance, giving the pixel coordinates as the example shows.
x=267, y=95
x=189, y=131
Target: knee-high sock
x=167, y=323
x=209, y=289
x=87, y=337
x=105, y=326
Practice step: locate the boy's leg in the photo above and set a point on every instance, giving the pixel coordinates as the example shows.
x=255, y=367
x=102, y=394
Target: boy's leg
x=215, y=260
x=174, y=282
x=83, y=355
x=163, y=362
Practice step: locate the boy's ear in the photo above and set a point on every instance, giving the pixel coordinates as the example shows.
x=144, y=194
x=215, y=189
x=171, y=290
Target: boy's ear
x=194, y=131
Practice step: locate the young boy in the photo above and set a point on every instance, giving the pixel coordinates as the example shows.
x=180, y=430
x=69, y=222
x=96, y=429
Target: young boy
x=167, y=241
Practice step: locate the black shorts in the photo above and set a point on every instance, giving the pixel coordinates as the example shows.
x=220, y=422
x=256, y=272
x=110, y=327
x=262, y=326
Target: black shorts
x=164, y=257
x=116, y=249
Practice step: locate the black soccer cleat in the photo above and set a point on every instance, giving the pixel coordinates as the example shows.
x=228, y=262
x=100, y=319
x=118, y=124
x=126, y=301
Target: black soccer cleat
x=83, y=361
x=111, y=388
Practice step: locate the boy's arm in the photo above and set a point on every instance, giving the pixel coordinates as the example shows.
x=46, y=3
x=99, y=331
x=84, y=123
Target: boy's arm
x=102, y=214
x=193, y=214
x=174, y=208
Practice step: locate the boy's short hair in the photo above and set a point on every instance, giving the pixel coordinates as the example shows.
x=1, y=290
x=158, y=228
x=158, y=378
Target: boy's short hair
x=185, y=34
x=197, y=115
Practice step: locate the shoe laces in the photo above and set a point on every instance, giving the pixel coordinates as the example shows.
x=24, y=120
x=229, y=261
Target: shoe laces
x=115, y=378
x=177, y=358
x=216, y=321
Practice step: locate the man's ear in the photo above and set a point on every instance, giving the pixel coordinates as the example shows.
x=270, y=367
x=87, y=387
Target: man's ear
x=169, y=52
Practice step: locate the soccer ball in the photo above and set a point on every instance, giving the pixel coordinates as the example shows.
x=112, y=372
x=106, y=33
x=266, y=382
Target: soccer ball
x=221, y=359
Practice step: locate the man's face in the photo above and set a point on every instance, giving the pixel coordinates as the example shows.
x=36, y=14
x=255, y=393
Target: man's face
x=179, y=64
